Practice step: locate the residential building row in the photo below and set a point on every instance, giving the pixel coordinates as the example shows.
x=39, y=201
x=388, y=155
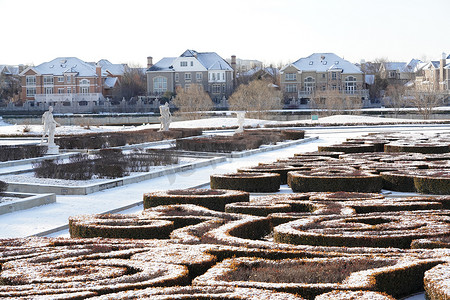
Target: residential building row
x=69, y=82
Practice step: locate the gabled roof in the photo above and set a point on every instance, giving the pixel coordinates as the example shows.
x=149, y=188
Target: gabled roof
x=210, y=60
x=62, y=65
x=394, y=66
x=435, y=63
x=9, y=70
x=413, y=65
x=110, y=82
x=164, y=64
x=323, y=62
x=110, y=68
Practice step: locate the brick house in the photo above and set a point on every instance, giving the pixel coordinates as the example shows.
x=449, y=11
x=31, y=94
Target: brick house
x=434, y=75
x=300, y=80
x=69, y=82
x=207, y=69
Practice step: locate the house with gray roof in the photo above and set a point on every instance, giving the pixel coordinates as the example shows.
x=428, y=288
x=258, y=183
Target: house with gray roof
x=207, y=69
x=69, y=82
x=321, y=72
x=434, y=75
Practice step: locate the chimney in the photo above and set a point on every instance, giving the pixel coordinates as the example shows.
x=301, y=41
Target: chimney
x=98, y=71
x=149, y=61
x=233, y=66
x=442, y=78
x=233, y=62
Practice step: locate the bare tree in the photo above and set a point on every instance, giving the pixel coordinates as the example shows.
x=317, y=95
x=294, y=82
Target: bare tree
x=192, y=100
x=425, y=100
x=256, y=98
x=334, y=102
x=133, y=83
x=396, y=97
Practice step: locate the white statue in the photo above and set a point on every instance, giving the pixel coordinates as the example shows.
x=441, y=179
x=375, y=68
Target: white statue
x=49, y=126
x=241, y=119
x=166, y=117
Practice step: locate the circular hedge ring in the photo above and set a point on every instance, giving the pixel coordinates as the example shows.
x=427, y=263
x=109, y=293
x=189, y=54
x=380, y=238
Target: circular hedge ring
x=249, y=182
x=347, y=148
x=334, y=179
x=345, y=196
x=433, y=182
x=215, y=198
x=119, y=226
x=353, y=295
x=257, y=208
x=22, y=278
x=332, y=154
x=201, y=292
x=413, y=146
x=401, y=180
x=281, y=169
x=382, y=230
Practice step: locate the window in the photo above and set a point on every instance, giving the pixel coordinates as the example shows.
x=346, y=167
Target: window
x=31, y=92
x=60, y=90
x=177, y=77
x=333, y=76
x=350, y=84
x=187, y=76
x=159, y=84
x=183, y=64
x=291, y=88
x=224, y=88
x=290, y=76
x=213, y=76
x=48, y=80
x=392, y=74
x=323, y=75
x=310, y=84
x=69, y=90
x=199, y=76
x=68, y=79
x=334, y=87
x=192, y=63
x=84, y=82
x=31, y=80
x=216, y=88
x=60, y=79
x=323, y=88
x=85, y=90
x=48, y=90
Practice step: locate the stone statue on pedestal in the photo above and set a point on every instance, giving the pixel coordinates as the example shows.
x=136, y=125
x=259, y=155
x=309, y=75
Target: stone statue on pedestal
x=166, y=117
x=49, y=129
x=241, y=119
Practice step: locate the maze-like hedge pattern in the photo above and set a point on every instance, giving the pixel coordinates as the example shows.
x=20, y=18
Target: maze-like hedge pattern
x=227, y=244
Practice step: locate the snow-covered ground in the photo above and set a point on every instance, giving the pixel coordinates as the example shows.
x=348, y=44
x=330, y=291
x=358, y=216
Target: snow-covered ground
x=36, y=220
x=44, y=218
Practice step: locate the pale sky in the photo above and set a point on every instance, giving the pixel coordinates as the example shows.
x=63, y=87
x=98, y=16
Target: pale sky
x=275, y=31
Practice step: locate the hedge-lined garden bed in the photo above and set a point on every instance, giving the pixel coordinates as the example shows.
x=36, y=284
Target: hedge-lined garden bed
x=249, y=139
x=114, y=139
x=8, y=153
x=247, y=181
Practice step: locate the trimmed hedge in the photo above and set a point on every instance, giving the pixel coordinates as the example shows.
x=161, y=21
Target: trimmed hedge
x=214, y=198
x=334, y=179
x=433, y=182
x=437, y=282
x=281, y=169
x=119, y=226
x=247, y=181
x=297, y=276
x=417, y=147
x=201, y=293
x=13, y=152
x=394, y=229
x=347, y=148
x=354, y=295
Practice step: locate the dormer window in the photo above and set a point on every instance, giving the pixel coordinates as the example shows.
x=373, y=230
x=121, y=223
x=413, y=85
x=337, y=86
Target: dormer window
x=311, y=63
x=324, y=62
x=336, y=62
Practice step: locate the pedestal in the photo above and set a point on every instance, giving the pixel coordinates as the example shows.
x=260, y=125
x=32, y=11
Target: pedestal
x=53, y=149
